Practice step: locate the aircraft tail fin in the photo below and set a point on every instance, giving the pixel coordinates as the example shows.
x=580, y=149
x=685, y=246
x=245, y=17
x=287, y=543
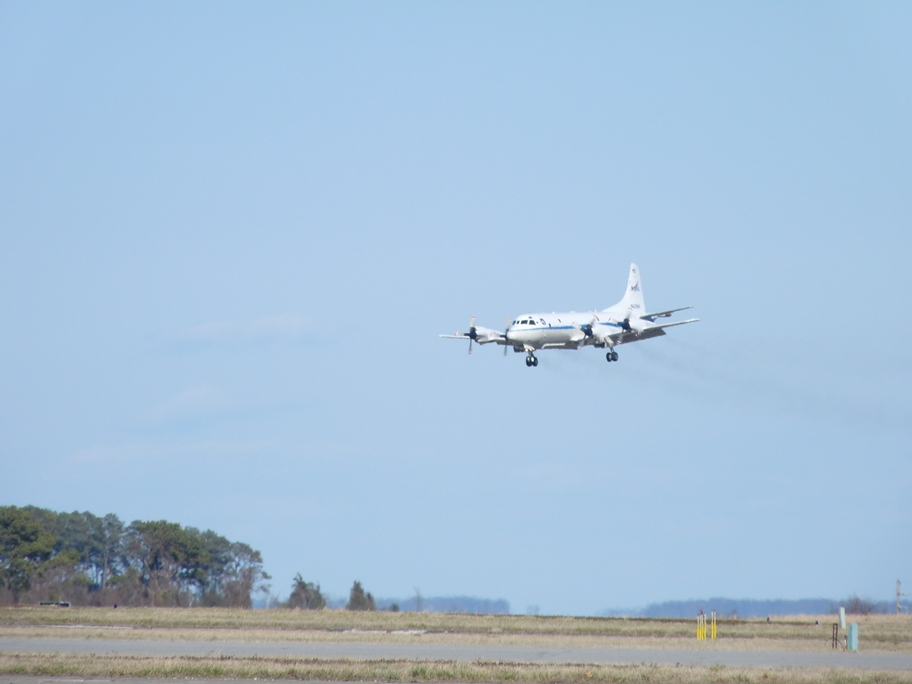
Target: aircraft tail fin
x=633, y=298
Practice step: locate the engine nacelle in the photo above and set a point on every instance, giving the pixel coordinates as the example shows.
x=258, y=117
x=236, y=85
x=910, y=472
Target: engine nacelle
x=485, y=335
x=601, y=335
x=638, y=325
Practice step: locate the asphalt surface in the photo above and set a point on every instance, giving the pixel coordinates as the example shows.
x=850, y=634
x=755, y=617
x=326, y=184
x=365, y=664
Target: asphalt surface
x=527, y=654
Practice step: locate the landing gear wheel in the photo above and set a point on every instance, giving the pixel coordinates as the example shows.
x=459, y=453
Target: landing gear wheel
x=531, y=361
x=534, y=361
x=614, y=356
x=528, y=361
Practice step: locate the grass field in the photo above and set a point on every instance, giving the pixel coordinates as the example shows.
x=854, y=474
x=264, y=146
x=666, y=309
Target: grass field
x=879, y=633
x=108, y=666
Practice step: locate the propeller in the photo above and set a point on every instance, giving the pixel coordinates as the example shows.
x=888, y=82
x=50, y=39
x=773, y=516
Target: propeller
x=506, y=330
x=473, y=333
x=636, y=326
x=483, y=335
x=587, y=329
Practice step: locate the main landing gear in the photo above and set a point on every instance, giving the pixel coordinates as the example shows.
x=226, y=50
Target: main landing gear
x=531, y=360
x=611, y=356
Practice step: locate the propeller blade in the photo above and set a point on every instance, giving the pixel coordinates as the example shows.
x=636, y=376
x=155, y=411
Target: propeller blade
x=506, y=330
x=472, y=333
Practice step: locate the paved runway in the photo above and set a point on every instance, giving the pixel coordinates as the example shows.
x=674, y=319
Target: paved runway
x=366, y=651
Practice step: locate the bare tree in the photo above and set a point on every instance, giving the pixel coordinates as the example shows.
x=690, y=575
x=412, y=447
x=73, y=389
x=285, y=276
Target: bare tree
x=859, y=606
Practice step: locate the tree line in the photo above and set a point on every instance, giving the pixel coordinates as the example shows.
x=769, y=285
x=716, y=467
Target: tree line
x=91, y=560
x=753, y=608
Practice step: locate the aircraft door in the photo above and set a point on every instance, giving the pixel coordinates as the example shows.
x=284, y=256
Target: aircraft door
x=546, y=330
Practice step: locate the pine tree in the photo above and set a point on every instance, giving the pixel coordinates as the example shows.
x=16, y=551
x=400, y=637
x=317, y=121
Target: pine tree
x=359, y=600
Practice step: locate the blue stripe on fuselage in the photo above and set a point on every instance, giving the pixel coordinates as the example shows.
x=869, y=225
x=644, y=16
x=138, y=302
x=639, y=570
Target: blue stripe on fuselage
x=559, y=327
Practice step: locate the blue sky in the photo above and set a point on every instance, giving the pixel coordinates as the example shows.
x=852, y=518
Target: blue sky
x=231, y=233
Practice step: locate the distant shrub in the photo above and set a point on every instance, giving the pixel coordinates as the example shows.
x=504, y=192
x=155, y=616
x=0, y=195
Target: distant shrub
x=359, y=600
x=860, y=606
x=305, y=595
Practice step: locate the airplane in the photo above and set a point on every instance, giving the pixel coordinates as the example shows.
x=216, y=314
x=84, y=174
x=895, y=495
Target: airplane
x=622, y=323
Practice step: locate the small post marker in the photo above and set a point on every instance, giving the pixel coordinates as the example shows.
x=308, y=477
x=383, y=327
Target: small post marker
x=852, y=640
x=705, y=629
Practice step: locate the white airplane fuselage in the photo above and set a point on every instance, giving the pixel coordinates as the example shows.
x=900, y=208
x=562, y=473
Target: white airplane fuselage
x=627, y=321
x=570, y=330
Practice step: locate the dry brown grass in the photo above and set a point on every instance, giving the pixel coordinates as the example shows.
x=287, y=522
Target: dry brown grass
x=56, y=665
x=884, y=633
x=336, y=620
x=822, y=643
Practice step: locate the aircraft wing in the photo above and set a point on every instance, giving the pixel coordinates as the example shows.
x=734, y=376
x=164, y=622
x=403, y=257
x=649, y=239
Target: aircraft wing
x=665, y=314
x=482, y=336
x=624, y=336
x=671, y=325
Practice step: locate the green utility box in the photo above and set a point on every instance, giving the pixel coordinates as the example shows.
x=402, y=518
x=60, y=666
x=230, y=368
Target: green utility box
x=853, y=636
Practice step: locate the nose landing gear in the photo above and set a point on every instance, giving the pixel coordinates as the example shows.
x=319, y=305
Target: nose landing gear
x=531, y=361
x=611, y=356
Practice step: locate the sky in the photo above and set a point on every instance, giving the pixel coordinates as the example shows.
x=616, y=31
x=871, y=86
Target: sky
x=231, y=233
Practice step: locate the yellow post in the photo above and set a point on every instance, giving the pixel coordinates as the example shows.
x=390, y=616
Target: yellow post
x=701, y=627
x=713, y=625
